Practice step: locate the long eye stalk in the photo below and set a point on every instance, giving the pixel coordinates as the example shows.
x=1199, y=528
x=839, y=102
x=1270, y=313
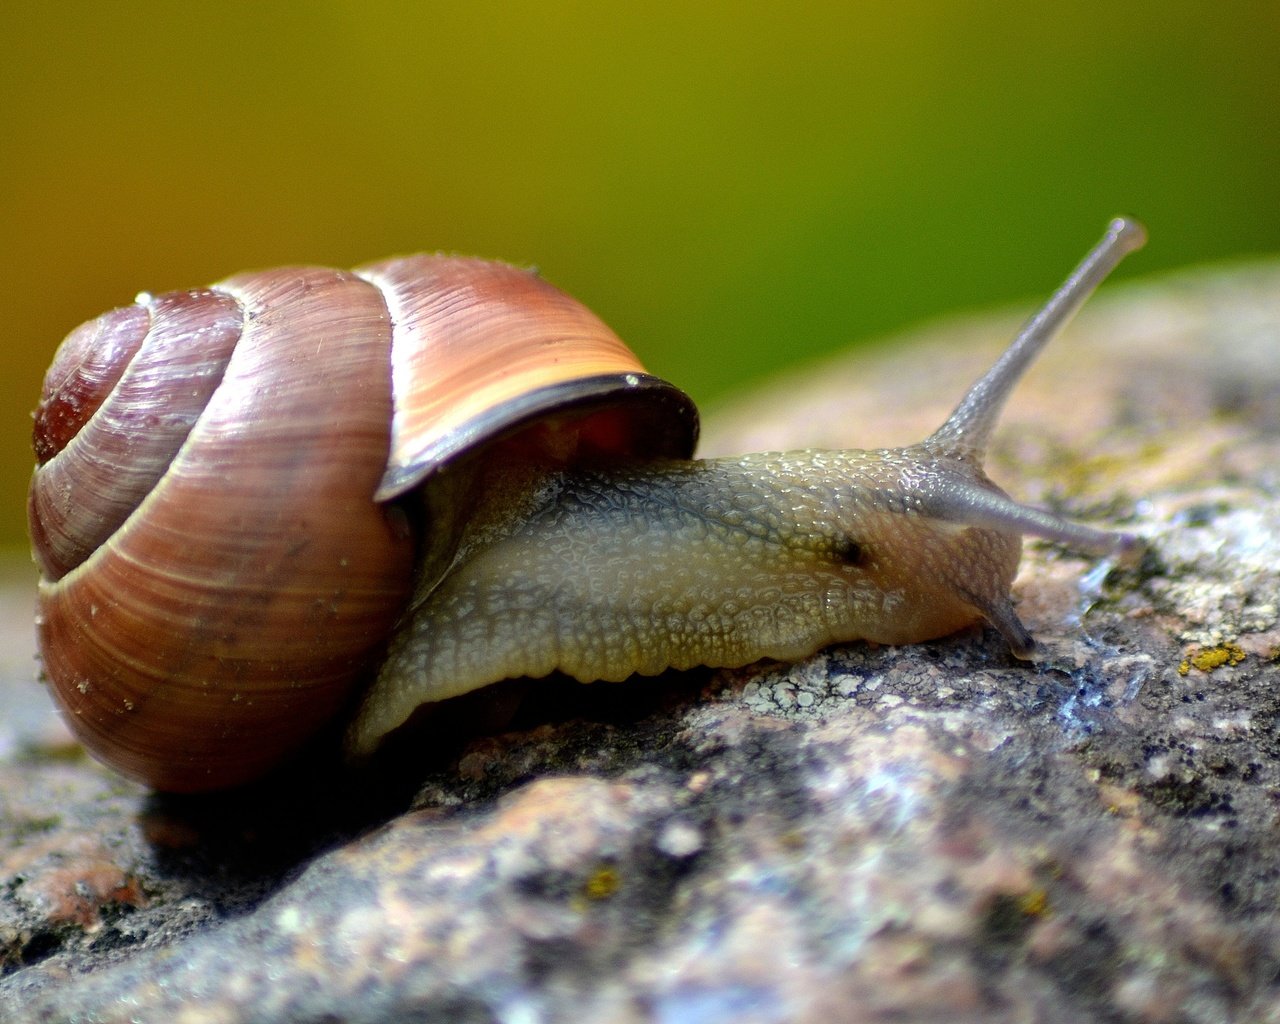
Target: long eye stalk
x=968, y=429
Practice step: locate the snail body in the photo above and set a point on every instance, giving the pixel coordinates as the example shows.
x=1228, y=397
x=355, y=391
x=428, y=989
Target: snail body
x=444, y=473
x=708, y=562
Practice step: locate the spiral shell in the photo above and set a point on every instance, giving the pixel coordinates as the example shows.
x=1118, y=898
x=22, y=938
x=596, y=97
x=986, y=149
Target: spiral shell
x=213, y=512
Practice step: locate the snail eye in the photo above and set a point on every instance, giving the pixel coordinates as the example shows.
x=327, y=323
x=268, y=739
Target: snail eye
x=850, y=552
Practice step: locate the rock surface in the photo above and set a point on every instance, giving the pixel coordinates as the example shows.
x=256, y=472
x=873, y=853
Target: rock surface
x=935, y=832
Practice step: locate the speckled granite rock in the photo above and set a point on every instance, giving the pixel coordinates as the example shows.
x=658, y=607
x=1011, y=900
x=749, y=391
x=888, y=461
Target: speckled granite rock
x=913, y=834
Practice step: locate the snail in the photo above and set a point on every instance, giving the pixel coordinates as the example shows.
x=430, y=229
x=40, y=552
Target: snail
x=433, y=473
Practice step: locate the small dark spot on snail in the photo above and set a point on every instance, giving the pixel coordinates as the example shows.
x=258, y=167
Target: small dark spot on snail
x=850, y=552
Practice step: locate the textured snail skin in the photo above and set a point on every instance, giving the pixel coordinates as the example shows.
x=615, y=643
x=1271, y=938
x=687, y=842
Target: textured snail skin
x=607, y=572
x=715, y=562
x=449, y=469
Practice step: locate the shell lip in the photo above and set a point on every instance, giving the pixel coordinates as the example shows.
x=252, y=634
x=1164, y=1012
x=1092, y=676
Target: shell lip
x=664, y=423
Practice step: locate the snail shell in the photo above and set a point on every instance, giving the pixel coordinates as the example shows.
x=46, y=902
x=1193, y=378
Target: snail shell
x=213, y=512
x=250, y=496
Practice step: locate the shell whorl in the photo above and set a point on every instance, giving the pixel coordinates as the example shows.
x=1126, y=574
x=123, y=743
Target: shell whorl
x=216, y=574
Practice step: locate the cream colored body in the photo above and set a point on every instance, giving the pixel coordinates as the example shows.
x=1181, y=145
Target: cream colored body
x=638, y=567
x=615, y=572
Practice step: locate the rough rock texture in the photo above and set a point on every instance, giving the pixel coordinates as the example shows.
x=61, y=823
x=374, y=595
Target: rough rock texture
x=914, y=834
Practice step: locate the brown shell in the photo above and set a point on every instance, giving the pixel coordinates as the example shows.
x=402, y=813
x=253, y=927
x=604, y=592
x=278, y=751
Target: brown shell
x=483, y=347
x=216, y=571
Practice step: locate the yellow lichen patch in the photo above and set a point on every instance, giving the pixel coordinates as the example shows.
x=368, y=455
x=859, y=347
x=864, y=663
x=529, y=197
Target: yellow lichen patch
x=1034, y=903
x=603, y=883
x=1209, y=658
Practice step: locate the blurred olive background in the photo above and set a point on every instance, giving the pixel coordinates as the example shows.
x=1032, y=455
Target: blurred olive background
x=735, y=187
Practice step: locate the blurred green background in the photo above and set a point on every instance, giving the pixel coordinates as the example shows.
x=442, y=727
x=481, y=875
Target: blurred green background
x=734, y=187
